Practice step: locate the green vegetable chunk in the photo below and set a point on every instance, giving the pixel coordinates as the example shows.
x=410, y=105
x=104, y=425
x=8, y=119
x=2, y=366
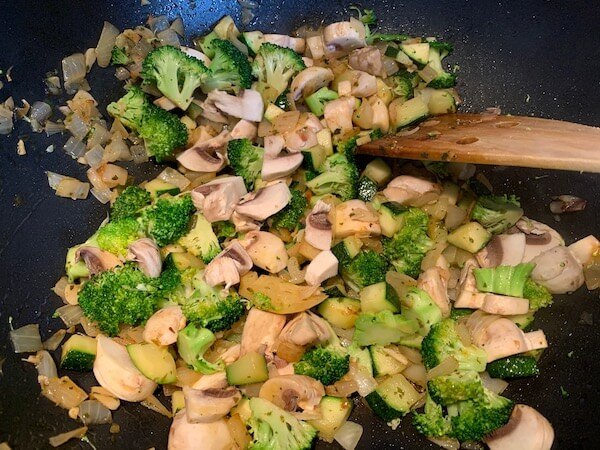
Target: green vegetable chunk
x=513, y=367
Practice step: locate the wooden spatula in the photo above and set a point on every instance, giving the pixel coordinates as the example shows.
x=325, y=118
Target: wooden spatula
x=498, y=140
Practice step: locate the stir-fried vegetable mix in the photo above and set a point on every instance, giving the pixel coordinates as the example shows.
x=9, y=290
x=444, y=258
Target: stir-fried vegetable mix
x=265, y=277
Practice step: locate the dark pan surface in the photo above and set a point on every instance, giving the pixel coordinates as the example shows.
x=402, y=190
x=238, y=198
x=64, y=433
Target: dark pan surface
x=534, y=57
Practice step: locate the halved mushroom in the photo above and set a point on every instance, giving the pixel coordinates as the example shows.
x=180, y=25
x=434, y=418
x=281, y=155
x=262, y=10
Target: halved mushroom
x=283, y=40
x=162, y=327
x=434, y=281
x=281, y=166
x=364, y=84
x=227, y=267
x=304, y=329
x=206, y=156
x=96, y=260
x=338, y=114
x=216, y=380
x=355, y=217
x=503, y=250
x=196, y=54
x=526, y=429
x=208, y=405
x=116, y=373
x=184, y=435
x=539, y=237
x=248, y=105
x=316, y=46
x=290, y=392
x=504, y=305
x=146, y=253
x=468, y=295
x=367, y=59
x=321, y=268
x=260, y=331
x=244, y=129
x=243, y=223
x=340, y=38
x=312, y=122
x=301, y=139
x=406, y=188
x=558, y=270
x=318, y=231
x=310, y=80
x=265, y=202
x=212, y=113
x=273, y=145
x=266, y=250
x=585, y=249
x=217, y=198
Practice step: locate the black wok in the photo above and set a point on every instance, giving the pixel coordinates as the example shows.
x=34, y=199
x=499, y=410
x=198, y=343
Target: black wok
x=534, y=57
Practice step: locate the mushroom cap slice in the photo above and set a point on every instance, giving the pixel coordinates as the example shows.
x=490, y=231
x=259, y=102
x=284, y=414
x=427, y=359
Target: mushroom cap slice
x=301, y=139
x=260, y=331
x=283, y=40
x=244, y=129
x=504, y=305
x=405, y=188
x=227, y=267
x=500, y=338
x=338, y=114
x=184, y=435
x=116, y=373
x=539, y=237
x=205, y=156
x=282, y=166
x=210, y=404
x=503, y=250
x=304, y=329
x=321, y=268
x=97, y=260
x=248, y=105
x=558, y=270
x=368, y=59
x=365, y=86
x=341, y=38
x=216, y=380
x=217, y=198
x=434, y=281
x=146, y=253
x=162, y=327
x=319, y=231
x=310, y=80
x=526, y=429
x=265, y=202
x=292, y=391
x=266, y=250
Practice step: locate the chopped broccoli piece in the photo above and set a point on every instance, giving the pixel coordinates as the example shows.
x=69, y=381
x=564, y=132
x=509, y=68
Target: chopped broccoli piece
x=455, y=387
x=116, y=236
x=205, y=44
x=418, y=305
x=192, y=344
x=443, y=79
x=289, y=217
x=169, y=218
x=119, y=57
x=402, y=84
x=505, y=280
x=407, y=248
x=382, y=328
x=443, y=341
x=316, y=101
x=497, y=213
x=161, y=130
x=517, y=366
x=176, y=74
x=539, y=296
x=129, y=202
x=229, y=69
x=273, y=428
x=432, y=422
x=338, y=176
x=201, y=241
x=366, y=268
x=245, y=159
x=324, y=364
x=274, y=67
x=224, y=229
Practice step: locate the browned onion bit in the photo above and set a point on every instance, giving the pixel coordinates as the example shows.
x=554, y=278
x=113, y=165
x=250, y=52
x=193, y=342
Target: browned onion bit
x=567, y=203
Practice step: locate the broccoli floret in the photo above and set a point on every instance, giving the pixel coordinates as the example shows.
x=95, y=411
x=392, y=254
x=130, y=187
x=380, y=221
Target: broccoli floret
x=289, y=217
x=455, y=387
x=497, y=213
x=324, y=364
x=273, y=428
x=443, y=79
x=229, y=69
x=121, y=296
x=262, y=301
x=273, y=67
x=539, y=296
x=432, y=422
x=477, y=418
x=383, y=328
x=402, y=84
x=176, y=74
x=210, y=307
x=129, y=202
x=366, y=268
x=338, y=176
x=418, y=305
x=245, y=159
x=517, y=366
x=118, y=57
x=407, y=248
x=161, y=130
x=316, y=101
x=201, y=241
x=192, y=344
x=169, y=218
x=443, y=341
x=224, y=229
x=205, y=44
x=116, y=236
x=505, y=280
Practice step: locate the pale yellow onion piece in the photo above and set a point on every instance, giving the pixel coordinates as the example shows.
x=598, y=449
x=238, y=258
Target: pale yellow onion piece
x=172, y=176
x=446, y=367
x=417, y=374
x=60, y=286
x=60, y=439
x=113, y=175
x=155, y=405
x=446, y=442
x=238, y=431
x=108, y=401
x=106, y=43
x=73, y=189
x=54, y=341
x=400, y=282
x=62, y=391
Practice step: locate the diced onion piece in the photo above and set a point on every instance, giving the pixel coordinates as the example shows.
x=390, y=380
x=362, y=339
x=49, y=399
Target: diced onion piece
x=364, y=381
x=113, y=175
x=95, y=156
x=40, y=112
x=53, y=84
x=54, y=341
x=155, y=405
x=400, y=282
x=139, y=154
x=73, y=189
x=342, y=388
x=122, y=74
x=174, y=177
x=446, y=367
x=348, y=435
x=98, y=136
x=6, y=119
x=286, y=122
x=168, y=37
x=54, y=179
x=591, y=273
x=70, y=314
x=116, y=150
x=74, y=147
x=45, y=365
x=238, y=431
x=60, y=439
x=92, y=412
x=106, y=43
x=77, y=126
x=53, y=128
x=496, y=385
x=102, y=195
x=567, y=203
x=158, y=23
x=60, y=287
x=26, y=339
x=177, y=26
x=417, y=374
x=62, y=391
x=90, y=58
x=74, y=70
x=446, y=442
x=90, y=328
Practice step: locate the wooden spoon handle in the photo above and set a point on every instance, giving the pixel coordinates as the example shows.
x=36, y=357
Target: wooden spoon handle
x=499, y=140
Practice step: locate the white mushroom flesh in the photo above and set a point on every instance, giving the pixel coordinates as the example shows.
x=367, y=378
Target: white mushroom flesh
x=228, y=266
x=304, y=329
x=265, y=202
x=539, y=237
x=340, y=38
x=206, y=155
x=243, y=223
x=434, y=281
x=367, y=59
x=146, y=253
x=310, y=80
x=318, y=231
x=281, y=166
x=217, y=198
x=248, y=105
x=365, y=85
x=301, y=139
x=97, y=260
x=503, y=250
x=291, y=392
x=216, y=380
x=406, y=188
x=162, y=327
x=296, y=44
x=558, y=270
x=321, y=268
x=526, y=429
x=266, y=250
x=208, y=405
x=504, y=305
x=355, y=217
x=184, y=435
x=585, y=249
x=338, y=114
x=260, y=331
x=244, y=129
x=316, y=46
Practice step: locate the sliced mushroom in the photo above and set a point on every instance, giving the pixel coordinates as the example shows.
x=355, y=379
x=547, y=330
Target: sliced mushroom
x=296, y=44
x=355, y=217
x=146, y=253
x=301, y=139
x=526, y=429
x=406, y=188
x=265, y=202
x=232, y=354
x=434, y=281
x=313, y=123
x=504, y=305
x=318, y=231
x=273, y=145
x=364, y=85
x=162, y=327
x=310, y=80
x=321, y=268
x=206, y=156
x=316, y=46
x=503, y=250
x=227, y=267
x=217, y=198
x=97, y=260
x=243, y=223
x=558, y=270
x=338, y=114
x=538, y=237
x=116, y=373
x=585, y=249
x=208, y=405
x=340, y=38
x=212, y=113
x=244, y=129
x=248, y=105
x=469, y=299
x=281, y=166
x=308, y=62
x=184, y=435
x=266, y=250
x=216, y=380
x=196, y=54
x=367, y=59
x=260, y=331
x=291, y=392
x=304, y=329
